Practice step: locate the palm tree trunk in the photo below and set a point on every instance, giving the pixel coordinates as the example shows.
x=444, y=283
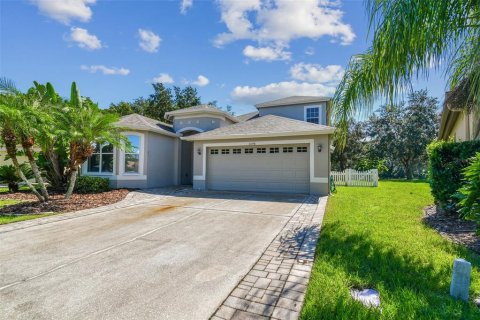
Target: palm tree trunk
x=22, y=176
x=36, y=172
x=71, y=184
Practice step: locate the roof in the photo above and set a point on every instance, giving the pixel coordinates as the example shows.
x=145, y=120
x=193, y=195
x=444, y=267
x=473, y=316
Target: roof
x=138, y=122
x=247, y=116
x=266, y=126
x=292, y=101
x=202, y=108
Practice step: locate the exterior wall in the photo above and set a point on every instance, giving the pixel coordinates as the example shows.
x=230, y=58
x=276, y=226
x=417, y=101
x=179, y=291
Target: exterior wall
x=321, y=160
x=465, y=128
x=202, y=123
x=295, y=111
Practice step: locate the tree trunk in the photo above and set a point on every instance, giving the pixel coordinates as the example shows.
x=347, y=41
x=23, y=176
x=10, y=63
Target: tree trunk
x=71, y=184
x=22, y=176
x=36, y=172
x=408, y=172
x=57, y=174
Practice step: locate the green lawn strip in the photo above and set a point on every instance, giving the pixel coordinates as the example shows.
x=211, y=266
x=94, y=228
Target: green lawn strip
x=374, y=238
x=4, y=219
x=21, y=188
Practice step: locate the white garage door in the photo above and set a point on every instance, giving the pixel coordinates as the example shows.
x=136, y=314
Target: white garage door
x=271, y=168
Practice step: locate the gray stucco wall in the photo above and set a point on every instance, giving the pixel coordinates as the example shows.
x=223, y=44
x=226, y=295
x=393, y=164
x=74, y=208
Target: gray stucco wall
x=203, y=123
x=160, y=166
x=321, y=159
x=294, y=111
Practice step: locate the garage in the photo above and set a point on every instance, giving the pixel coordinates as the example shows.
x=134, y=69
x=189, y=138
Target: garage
x=264, y=168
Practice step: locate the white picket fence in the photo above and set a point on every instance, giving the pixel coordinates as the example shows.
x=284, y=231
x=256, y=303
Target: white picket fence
x=351, y=177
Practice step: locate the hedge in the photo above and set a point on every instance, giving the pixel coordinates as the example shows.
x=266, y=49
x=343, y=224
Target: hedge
x=446, y=161
x=86, y=184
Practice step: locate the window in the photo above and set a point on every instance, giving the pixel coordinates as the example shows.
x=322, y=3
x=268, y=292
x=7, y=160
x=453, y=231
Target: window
x=287, y=149
x=261, y=150
x=132, y=155
x=301, y=149
x=249, y=150
x=101, y=161
x=312, y=114
x=213, y=151
x=225, y=151
x=237, y=151
x=274, y=150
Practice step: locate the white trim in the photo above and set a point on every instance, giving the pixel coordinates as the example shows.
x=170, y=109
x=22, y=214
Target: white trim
x=320, y=113
x=190, y=129
x=85, y=172
x=327, y=130
x=129, y=177
x=141, y=159
x=311, y=143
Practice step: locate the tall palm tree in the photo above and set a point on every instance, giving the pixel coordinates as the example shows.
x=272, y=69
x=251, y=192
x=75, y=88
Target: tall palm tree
x=410, y=37
x=82, y=125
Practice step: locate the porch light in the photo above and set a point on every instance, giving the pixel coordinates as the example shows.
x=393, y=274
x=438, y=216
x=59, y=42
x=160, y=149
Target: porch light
x=319, y=147
x=199, y=151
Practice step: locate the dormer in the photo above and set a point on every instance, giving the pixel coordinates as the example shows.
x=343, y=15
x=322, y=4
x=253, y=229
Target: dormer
x=311, y=109
x=199, y=118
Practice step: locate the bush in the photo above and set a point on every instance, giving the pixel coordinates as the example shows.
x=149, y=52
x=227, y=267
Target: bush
x=86, y=184
x=8, y=175
x=446, y=162
x=469, y=194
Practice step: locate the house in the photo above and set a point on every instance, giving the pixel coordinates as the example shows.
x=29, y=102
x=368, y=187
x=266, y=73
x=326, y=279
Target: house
x=459, y=121
x=282, y=147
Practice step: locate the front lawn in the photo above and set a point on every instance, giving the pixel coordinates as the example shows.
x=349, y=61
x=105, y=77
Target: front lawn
x=14, y=218
x=375, y=238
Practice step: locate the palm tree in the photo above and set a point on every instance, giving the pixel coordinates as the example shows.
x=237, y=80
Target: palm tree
x=410, y=37
x=82, y=125
x=29, y=121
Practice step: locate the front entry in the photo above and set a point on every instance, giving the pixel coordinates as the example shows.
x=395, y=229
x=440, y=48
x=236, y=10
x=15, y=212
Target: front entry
x=186, y=167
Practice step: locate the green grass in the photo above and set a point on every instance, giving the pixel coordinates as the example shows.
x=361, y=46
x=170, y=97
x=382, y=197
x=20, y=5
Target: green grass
x=21, y=188
x=374, y=238
x=4, y=219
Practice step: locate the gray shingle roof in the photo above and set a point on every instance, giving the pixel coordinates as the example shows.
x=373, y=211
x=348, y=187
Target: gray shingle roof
x=292, y=100
x=138, y=122
x=266, y=126
x=199, y=109
x=247, y=116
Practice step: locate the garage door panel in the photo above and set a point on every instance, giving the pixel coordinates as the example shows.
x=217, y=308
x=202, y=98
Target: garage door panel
x=268, y=172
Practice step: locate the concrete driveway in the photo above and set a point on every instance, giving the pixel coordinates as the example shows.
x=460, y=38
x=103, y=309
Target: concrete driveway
x=174, y=257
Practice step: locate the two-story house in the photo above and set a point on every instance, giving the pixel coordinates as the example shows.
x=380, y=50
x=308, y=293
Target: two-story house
x=284, y=147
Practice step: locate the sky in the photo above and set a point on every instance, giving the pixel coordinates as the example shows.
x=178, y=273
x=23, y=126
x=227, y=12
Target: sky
x=238, y=53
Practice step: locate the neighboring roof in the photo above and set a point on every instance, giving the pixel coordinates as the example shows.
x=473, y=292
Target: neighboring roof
x=448, y=121
x=138, y=122
x=247, y=116
x=292, y=101
x=266, y=126
x=202, y=108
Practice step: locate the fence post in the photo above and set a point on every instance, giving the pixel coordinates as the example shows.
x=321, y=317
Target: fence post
x=347, y=177
x=375, y=177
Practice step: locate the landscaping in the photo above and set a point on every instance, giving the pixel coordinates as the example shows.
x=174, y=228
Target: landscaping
x=376, y=238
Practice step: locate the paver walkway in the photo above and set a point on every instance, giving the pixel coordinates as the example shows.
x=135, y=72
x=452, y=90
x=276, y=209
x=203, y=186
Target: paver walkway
x=275, y=286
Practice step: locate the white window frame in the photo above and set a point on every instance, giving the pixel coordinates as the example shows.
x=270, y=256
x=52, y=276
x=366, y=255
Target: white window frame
x=287, y=150
x=274, y=150
x=213, y=151
x=250, y=151
x=320, y=113
x=236, y=151
x=100, y=173
x=225, y=151
x=141, y=158
x=264, y=150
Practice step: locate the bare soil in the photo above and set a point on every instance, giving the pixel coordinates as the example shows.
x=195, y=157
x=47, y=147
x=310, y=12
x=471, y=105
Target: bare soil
x=57, y=203
x=452, y=227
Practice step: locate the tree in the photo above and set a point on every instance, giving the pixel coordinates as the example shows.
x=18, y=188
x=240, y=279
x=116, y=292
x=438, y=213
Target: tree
x=355, y=149
x=409, y=37
x=84, y=124
x=186, y=97
x=400, y=133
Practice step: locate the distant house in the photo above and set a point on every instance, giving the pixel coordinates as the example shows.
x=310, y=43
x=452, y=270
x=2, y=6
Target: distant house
x=283, y=147
x=459, y=121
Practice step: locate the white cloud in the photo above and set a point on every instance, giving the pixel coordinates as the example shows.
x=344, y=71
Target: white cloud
x=65, y=11
x=266, y=53
x=316, y=73
x=83, y=39
x=163, y=78
x=272, y=91
x=149, y=41
x=201, y=81
x=185, y=5
x=310, y=51
x=280, y=21
x=105, y=70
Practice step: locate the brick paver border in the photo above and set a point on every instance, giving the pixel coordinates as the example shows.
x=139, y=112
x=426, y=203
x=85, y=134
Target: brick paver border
x=275, y=286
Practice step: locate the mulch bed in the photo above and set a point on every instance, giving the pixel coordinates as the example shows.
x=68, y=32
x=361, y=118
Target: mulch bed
x=452, y=227
x=57, y=203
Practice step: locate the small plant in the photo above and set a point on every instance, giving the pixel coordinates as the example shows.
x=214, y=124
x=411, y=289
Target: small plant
x=469, y=194
x=86, y=184
x=8, y=175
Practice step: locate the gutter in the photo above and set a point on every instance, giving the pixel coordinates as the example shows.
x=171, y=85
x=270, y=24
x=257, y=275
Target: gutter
x=263, y=135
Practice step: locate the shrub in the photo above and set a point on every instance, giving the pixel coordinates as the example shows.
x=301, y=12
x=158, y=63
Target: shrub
x=446, y=162
x=86, y=184
x=8, y=175
x=469, y=194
